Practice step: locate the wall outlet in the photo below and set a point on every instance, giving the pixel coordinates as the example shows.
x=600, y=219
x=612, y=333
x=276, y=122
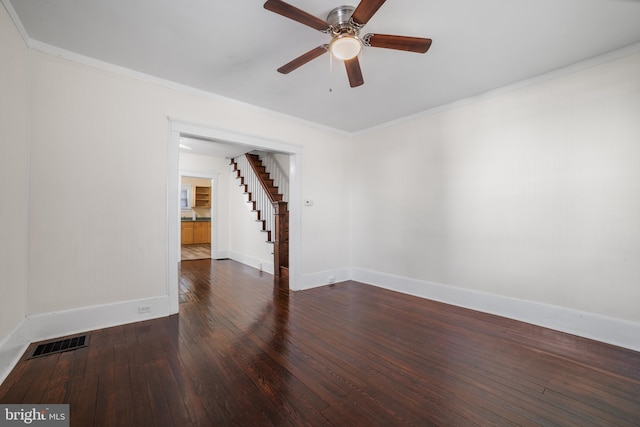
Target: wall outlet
x=332, y=279
x=144, y=309
x=308, y=202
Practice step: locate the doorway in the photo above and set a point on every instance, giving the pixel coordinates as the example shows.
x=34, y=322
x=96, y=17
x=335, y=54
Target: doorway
x=197, y=227
x=180, y=128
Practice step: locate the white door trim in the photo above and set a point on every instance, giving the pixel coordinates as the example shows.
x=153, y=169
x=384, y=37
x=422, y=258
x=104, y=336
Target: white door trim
x=179, y=128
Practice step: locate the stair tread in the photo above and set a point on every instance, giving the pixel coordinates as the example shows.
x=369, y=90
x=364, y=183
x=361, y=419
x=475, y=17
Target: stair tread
x=273, y=192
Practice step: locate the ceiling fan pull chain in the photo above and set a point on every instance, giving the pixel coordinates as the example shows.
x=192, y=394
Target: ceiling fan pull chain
x=330, y=64
x=330, y=72
x=333, y=79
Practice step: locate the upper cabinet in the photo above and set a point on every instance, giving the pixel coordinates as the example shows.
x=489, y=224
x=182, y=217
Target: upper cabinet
x=202, y=197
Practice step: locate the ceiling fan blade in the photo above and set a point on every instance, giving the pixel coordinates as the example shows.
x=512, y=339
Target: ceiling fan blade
x=410, y=44
x=365, y=10
x=303, y=59
x=354, y=72
x=292, y=12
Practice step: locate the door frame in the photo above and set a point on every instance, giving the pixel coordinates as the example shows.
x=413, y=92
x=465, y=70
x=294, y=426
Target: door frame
x=178, y=128
x=212, y=176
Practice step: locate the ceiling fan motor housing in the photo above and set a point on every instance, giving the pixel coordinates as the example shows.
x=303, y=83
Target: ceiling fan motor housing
x=339, y=19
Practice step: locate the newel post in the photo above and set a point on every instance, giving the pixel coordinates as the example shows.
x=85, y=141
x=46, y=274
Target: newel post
x=281, y=243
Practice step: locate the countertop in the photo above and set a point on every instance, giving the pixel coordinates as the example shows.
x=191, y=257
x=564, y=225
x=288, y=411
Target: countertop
x=189, y=219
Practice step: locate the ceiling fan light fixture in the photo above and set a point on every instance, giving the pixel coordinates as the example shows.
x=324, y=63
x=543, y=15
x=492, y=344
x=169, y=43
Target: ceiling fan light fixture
x=345, y=46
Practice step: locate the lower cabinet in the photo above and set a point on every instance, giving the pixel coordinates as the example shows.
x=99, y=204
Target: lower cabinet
x=186, y=233
x=201, y=232
x=193, y=232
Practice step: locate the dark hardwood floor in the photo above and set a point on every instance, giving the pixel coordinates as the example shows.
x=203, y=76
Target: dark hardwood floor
x=243, y=352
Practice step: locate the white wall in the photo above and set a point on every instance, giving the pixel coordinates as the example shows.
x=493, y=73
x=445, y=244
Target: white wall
x=14, y=191
x=239, y=233
x=247, y=243
x=112, y=130
x=532, y=195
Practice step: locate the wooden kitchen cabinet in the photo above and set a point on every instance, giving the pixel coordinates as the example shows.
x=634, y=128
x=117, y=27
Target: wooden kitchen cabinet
x=202, y=232
x=193, y=232
x=202, y=197
x=186, y=233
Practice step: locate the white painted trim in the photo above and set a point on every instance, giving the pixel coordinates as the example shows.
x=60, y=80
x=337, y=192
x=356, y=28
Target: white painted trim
x=323, y=278
x=67, y=322
x=123, y=71
x=106, y=66
x=12, y=347
x=14, y=344
x=173, y=219
x=257, y=263
x=45, y=326
x=233, y=137
x=295, y=220
x=179, y=127
x=589, y=325
x=220, y=255
x=17, y=22
x=618, y=332
x=555, y=74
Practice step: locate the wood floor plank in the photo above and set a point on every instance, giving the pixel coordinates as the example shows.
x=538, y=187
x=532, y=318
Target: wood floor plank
x=245, y=351
x=30, y=386
x=195, y=251
x=56, y=390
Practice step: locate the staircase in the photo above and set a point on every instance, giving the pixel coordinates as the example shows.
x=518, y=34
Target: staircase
x=270, y=208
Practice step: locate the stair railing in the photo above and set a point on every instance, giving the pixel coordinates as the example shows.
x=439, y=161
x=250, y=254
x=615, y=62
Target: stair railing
x=260, y=199
x=266, y=199
x=279, y=176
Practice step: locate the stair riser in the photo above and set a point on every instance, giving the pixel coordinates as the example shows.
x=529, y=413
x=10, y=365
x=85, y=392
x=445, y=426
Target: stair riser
x=281, y=245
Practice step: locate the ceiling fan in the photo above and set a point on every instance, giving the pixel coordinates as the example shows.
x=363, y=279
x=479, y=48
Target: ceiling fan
x=344, y=24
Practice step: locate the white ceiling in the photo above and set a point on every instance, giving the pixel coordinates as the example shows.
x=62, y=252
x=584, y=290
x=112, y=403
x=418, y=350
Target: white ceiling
x=233, y=48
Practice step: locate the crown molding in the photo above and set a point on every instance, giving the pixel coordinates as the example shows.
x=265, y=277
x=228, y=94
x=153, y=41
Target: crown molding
x=16, y=21
x=551, y=75
x=148, y=78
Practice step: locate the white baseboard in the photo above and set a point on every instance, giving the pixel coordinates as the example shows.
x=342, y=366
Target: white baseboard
x=67, y=322
x=314, y=280
x=57, y=324
x=12, y=348
x=260, y=264
x=220, y=255
x=610, y=330
x=589, y=325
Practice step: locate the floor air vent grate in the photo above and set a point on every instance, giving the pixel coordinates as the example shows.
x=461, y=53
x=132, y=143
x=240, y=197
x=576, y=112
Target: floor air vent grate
x=60, y=346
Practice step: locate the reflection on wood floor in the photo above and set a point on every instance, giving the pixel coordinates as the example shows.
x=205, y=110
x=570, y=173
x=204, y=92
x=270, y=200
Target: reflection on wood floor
x=199, y=251
x=244, y=351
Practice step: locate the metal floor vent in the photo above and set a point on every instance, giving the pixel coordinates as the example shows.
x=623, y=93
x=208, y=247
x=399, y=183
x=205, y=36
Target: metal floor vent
x=59, y=346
